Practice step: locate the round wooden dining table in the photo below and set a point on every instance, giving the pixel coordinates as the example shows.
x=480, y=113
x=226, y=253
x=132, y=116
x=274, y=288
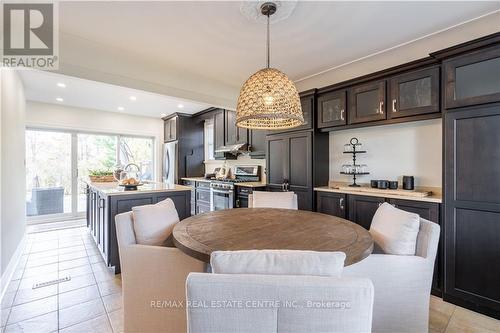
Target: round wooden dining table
x=270, y=229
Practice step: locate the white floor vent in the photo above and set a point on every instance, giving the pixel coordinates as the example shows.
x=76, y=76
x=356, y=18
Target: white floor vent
x=51, y=282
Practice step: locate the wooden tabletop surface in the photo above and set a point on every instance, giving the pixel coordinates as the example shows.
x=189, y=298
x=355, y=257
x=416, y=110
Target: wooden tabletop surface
x=269, y=228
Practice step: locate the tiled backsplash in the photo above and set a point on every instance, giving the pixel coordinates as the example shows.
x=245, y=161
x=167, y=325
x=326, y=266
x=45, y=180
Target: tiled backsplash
x=242, y=160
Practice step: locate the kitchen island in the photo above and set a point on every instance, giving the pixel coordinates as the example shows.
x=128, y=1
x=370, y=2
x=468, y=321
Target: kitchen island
x=106, y=200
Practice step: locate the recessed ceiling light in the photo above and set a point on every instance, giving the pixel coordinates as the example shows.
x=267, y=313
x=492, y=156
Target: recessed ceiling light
x=133, y=98
x=180, y=106
x=121, y=108
x=59, y=99
x=61, y=85
x=163, y=115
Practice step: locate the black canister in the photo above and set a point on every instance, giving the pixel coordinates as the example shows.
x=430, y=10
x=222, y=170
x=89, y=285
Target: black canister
x=393, y=184
x=408, y=182
x=374, y=183
x=383, y=184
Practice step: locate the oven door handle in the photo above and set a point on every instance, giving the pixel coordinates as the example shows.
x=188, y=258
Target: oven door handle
x=221, y=191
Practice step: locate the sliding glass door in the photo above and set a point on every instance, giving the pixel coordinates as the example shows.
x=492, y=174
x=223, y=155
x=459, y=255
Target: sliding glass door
x=48, y=173
x=58, y=163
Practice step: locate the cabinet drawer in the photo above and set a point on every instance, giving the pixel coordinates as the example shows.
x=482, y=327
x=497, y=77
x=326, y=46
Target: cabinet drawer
x=203, y=195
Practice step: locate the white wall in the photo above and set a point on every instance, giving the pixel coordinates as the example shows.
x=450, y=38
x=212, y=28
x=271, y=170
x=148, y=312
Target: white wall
x=12, y=175
x=43, y=115
x=392, y=151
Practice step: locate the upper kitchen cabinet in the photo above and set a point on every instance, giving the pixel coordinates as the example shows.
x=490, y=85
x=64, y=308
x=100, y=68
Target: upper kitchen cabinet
x=257, y=142
x=332, y=109
x=234, y=134
x=414, y=93
x=307, y=102
x=170, y=129
x=219, y=130
x=367, y=102
x=473, y=78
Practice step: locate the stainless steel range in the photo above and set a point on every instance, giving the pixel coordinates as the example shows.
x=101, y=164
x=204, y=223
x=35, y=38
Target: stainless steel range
x=222, y=190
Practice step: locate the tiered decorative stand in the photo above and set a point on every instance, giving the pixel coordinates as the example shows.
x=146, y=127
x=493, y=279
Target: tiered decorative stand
x=354, y=142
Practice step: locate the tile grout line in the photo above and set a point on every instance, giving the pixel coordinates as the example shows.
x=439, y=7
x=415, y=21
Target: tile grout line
x=100, y=295
x=449, y=319
x=17, y=288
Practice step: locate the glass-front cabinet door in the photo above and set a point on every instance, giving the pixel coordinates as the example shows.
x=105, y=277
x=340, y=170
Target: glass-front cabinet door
x=331, y=109
x=367, y=102
x=473, y=78
x=414, y=93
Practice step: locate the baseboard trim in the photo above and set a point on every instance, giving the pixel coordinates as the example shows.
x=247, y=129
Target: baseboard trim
x=11, y=267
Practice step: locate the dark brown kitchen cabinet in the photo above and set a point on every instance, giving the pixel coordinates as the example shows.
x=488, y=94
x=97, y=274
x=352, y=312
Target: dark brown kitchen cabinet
x=367, y=102
x=170, y=129
x=219, y=132
x=426, y=210
x=331, y=203
x=234, y=134
x=473, y=78
x=192, y=184
x=332, y=109
x=289, y=165
x=472, y=210
x=414, y=93
x=257, y=142
x=362, y=208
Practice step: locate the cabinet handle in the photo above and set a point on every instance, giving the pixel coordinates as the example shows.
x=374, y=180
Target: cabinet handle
x=342, y=114
x=394, y=106
x=381, y=107
x=341, y=203
x=380, y=204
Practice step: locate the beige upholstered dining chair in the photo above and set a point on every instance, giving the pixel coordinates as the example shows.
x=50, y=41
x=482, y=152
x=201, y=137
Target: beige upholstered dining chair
x=278, y=303
x=150, y=276
x=262, y=199
x=402, y=282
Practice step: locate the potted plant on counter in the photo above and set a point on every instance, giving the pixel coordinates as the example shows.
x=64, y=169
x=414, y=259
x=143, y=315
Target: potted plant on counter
x=101, y=176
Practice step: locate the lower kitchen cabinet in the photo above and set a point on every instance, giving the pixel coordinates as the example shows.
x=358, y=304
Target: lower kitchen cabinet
x=332, y=203
x=104, y=207
x=362, y=208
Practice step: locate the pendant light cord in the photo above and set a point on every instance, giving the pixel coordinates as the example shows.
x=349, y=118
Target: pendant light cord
x=268, y=42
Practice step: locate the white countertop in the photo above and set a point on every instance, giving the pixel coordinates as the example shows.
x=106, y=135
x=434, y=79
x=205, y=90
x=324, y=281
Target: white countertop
x=115, y=189
x=434, y=197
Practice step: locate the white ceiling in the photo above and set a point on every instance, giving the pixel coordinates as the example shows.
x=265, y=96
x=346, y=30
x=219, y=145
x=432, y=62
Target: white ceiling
x=43, y=87
x=213, y=40
x=204, y=50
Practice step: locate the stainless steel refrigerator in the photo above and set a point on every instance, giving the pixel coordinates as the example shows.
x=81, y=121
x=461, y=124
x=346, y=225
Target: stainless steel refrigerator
x=170, y=162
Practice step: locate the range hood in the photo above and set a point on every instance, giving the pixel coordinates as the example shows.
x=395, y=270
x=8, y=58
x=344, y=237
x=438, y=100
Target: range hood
x=233, y=149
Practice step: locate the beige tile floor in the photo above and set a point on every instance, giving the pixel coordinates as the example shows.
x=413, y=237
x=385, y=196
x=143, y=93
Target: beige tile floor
x=92, y=301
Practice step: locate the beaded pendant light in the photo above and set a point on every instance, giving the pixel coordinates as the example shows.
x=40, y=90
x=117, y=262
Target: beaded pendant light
x=269, y=99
